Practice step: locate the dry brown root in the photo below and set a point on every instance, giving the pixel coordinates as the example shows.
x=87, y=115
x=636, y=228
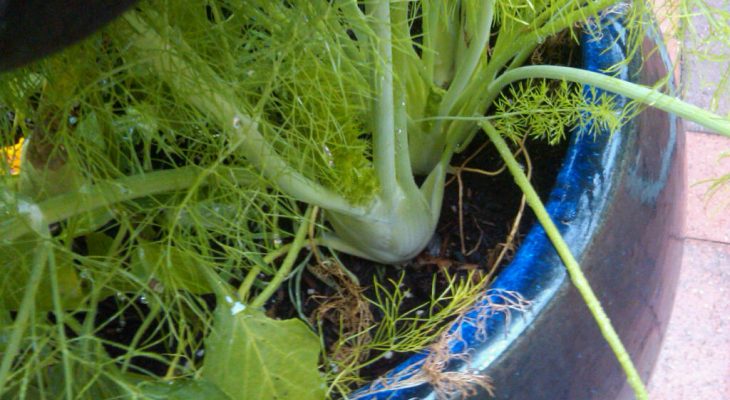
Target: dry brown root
x=347, y=309
x=432, y=370
x=503, y=250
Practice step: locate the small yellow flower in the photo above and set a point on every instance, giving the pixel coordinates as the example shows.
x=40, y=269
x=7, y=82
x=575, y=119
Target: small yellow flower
x=12, y=156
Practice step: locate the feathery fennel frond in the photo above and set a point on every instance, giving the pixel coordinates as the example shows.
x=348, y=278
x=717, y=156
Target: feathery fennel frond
x=544, y=109
x=306, y=84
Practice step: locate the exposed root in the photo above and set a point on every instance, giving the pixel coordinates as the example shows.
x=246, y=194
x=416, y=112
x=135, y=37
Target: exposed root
x=451, y=384
x=434, y=369
x=346, y=308
x=509, y=246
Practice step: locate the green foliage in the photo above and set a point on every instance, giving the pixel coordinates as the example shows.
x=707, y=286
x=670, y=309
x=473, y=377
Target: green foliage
x=167, y=267
x=543, y=110
x=718, y=186
x=401, y=329
x=293, y=76
x=409, y=330
x=183, y=390
x=251, y=356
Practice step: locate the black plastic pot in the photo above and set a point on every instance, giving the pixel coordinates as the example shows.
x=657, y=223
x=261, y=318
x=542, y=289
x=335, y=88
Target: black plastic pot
x=619, y=203
x=30, y=29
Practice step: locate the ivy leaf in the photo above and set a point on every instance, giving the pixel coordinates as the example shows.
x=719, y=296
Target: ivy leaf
x=15, y=273
x=99, y=244
x=251, y=356
x=169, y=267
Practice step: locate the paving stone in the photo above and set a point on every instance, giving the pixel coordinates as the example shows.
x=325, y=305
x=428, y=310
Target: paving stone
x=707, y=215
x=694, y=362
x=706, y=65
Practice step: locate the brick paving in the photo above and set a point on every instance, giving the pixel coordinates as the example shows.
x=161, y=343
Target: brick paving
x=694, y=362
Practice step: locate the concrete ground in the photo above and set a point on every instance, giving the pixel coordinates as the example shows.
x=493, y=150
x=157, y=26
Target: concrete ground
x=694, y=362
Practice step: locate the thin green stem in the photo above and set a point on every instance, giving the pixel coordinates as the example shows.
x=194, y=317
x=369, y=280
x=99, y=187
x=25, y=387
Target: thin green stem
x=245, y=288
x=475, y=48
x=24, y=313
x=429, y=20
x=571, y=264
x=406, y=67
x=90, y=198
x=433, y=187
x=354, y=15
x=405, y=52
x=60, y=323
x=645, y=95
x=470, y=61
x=149, y=319
x=440, y=33
x=333, y=242
x=404, y=172
x=286, y=266
x=384, y=118
x=520, y=58
x=248, y=281
x=409, y=69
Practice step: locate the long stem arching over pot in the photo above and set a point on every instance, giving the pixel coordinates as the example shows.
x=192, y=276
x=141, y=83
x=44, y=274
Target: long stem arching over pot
x=571, y=264
x=647, y=96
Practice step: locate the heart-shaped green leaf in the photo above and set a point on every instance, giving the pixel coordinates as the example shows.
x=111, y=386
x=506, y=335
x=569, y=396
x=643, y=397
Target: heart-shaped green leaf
x=169, y=267
x=251, y=356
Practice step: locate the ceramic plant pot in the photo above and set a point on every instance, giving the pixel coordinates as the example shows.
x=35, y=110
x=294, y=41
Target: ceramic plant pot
x=619, y=203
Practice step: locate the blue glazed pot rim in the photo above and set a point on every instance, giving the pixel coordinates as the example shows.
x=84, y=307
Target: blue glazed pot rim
x=536, y=272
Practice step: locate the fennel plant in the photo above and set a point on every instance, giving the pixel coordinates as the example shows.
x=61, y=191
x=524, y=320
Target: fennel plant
x=202, y=147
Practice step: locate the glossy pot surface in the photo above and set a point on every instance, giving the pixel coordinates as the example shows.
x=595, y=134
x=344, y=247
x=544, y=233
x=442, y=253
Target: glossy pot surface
x=619, y=203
